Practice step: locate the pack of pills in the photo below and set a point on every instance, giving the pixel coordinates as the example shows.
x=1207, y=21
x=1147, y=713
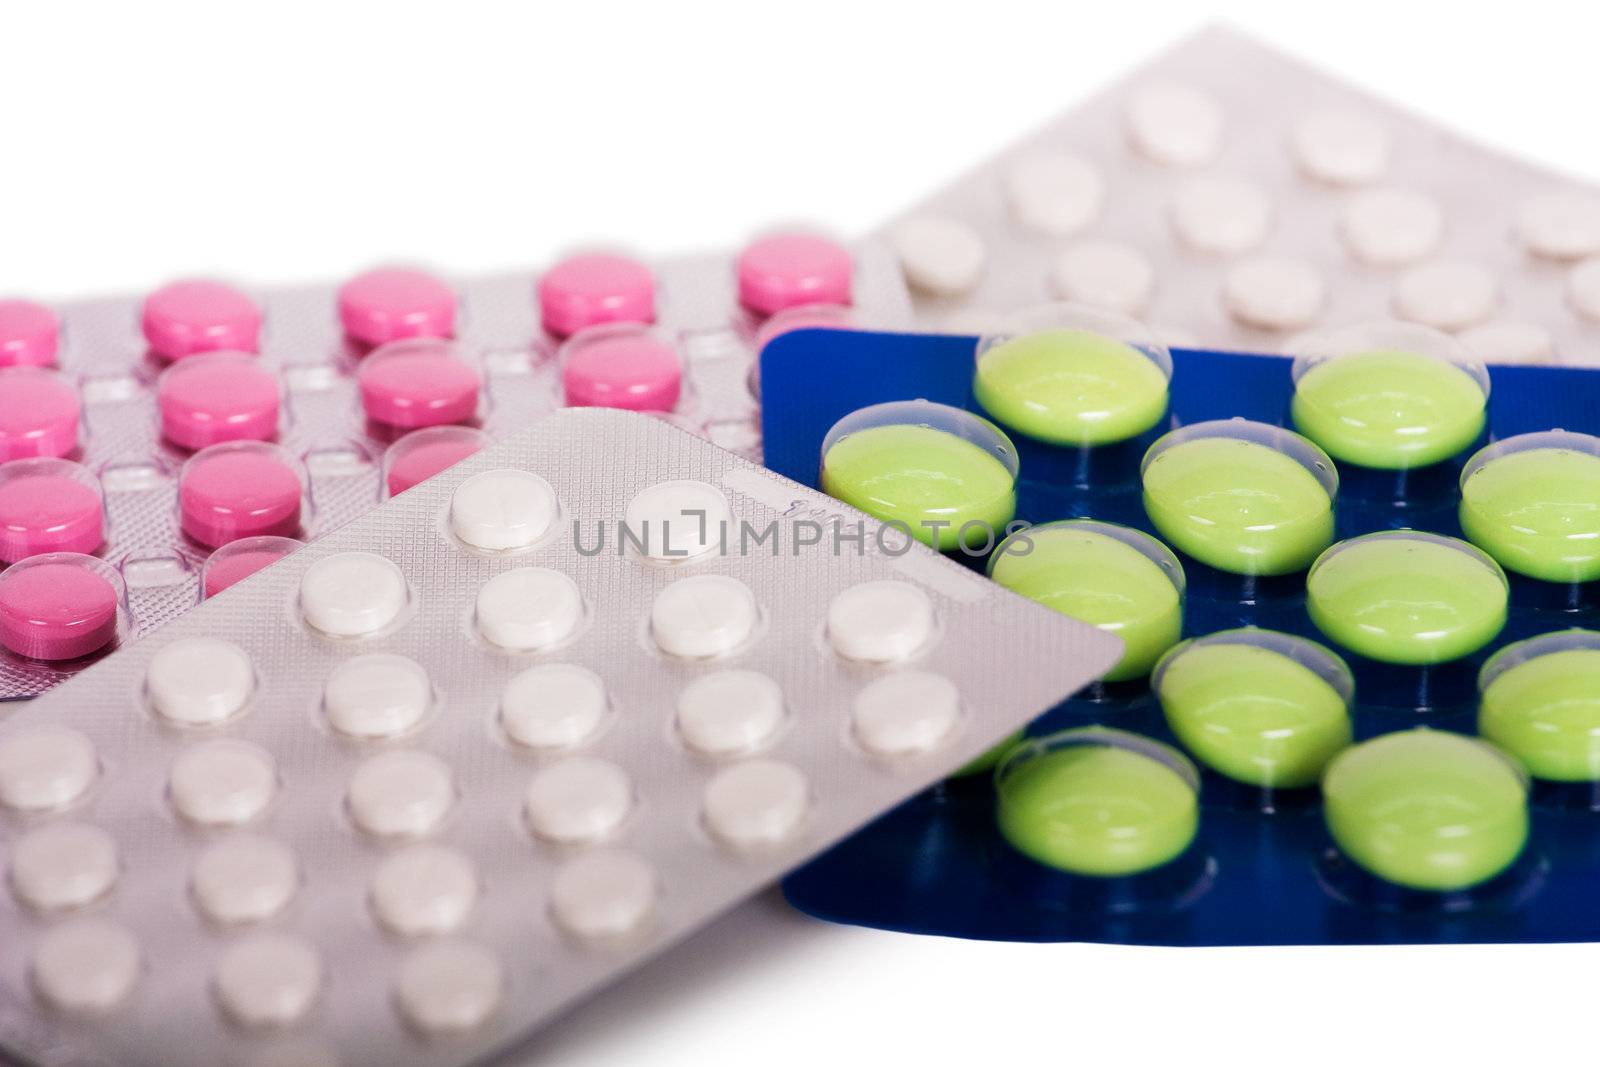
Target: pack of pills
x=191, y=435
x=1232, y=197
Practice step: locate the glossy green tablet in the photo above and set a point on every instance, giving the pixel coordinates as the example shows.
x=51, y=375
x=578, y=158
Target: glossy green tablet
x=1533, y=503
x=1071, y=387
x=1540, y=700
x=1391, y=410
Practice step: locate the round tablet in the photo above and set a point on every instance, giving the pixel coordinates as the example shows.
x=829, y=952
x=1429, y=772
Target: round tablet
x=553, y=706
x=577, y=800
x=1427, y=809
x=1055, y=192
x=1583, y=289
x=1274, y=292
x=1109, y=576
x=678, y=519
x=529, y=609
x=223, y=396
x=1104, y=274
x=939, y=256
x=421, y=454
x=604, y=895
x=1407, y=597
x=224, y=782
x=1389, y=409
x=1221, y=215
x=593, y=289
x=1391, y=227
x=502, y=510
x=707, y=615
x=46, y=767
x=906, y=713
x=29, y=334
x=48, y=505
x=58, y=606
x=449, y=986
x=199, y=681
x=1243, y=497
x=63, y=865
x=238, y=560
x=268, y=979
x=786, y=270
x=1175, y=125
x=1533, y=503
x=729, y=713
x=352, y=594
x=391, y=303
x=880, y=622
x=377, y=696
x=420, y=381
x=244, y=878
x=85, y=966
x=424, y=890
x=1509, y=341
x=1097, y=802
x=1540, y=701
x=623, y=366
x=38, y=414
x=756, y=804
x=1561, y=225
x=1263, y=708
x=187, y=317
x=240, y=489
x=401, y=794
x=1340, y=147
x=1446, y=294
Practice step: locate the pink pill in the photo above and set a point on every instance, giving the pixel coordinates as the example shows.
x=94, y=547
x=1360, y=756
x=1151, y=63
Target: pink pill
x=621, y=367
x=238, y=560
x=421, y=454
x=241, y=489
x=184, y=318
x=38, y=414
x=418, y=382
x=393, y=302
x=220, y=396
x=593, y=289
x=787, y=270
x=58, y=606
x=48, y=505
x=28, y=334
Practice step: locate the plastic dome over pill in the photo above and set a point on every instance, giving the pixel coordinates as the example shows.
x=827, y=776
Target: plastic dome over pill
x=1533, y=503
x=1539, y=699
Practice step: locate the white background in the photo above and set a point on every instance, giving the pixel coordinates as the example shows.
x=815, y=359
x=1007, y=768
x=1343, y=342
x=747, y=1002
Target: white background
x=294, y=141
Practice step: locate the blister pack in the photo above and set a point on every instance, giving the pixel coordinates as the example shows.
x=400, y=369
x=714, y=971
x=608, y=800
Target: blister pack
x=403, y=795
x=1231, y=196
x=193, y=434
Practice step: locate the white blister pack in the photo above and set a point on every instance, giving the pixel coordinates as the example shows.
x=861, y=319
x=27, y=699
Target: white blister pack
x=402, y=796
x=1233, y=197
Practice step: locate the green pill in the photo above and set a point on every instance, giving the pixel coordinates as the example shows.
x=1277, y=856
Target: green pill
x=1073, y=386
x=1264, y=708
x=1533, y=503
x=949, y=476
x=1408, y=597
x=1427, y=809
x=1241, y=496
x=1540, y=701
x=1097, y=802
x=1117, y=578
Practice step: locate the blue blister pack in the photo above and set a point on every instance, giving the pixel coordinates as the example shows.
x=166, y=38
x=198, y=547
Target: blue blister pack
x=1262, y=868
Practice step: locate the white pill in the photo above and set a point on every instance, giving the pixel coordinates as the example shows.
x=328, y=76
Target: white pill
x=222, y=783
x=755, y=804
x=906, y=713
x=46, y=767
x=1446, y=294
x=503, y=510
x=1509, y=341
x=199, y=681
x=1561, y=225
x=401, y=794
x=1055, y=192
x=1221, y=215
x=85, y=966
x=677, y=520
x=449, y=986
x=879, y=622
x=939, y=256
x=707, y=615
x=577, y=800
x=604, y=895
x=1340, y=147
x=1105, y=274
x=1583, y=287
x=1175, y=125
x=268, y=980
x=1273, y=292
x=424, y=889
x=352, y=594
x=378, y=695
x=553, y=706
x=729, y=713
x=1391, y=227
x=244, y=878
x=529, y=609
x=63, y=865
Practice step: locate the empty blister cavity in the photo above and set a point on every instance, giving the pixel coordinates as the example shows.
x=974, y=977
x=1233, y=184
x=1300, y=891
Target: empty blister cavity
x=1274, y=292
x=1539, y=700
x=755, y=805
x=1446, y=294
x=222, y=396
x=240, y=489
x=880, y=622
x=449, y=986
x=85, y=966
x=677, y=520
x=424, y=890
x=188, y=317
x=244, y=878
x=223, y=782
x=62, y=865
x=59, y=606
x=1560, y=225
x=704, y=616
x=529, y=609
x=39, y=413
x=502, y=510
x=352, y=594
x=604, y=896
x=401, y=794
x=1340, y=147
x=625, y=365
x=553, y=706
x=30, y=334
x=595, y=288
x=391, y=303
x=199, y=681
x=1533, y=503
x=422, y=381
x=377, y=696
x=45, y=768
x=1106, y=274
x=238, y=560
x=729, y=713
x=1221, y=215
x=790, y=269
x=939, y=256
x=578, y=800
x=1175, y=125
x=48, y=505
x=905, y=713
x=1054, y=192
x=1391, y=227
x=421, y=454
x=268, y=979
